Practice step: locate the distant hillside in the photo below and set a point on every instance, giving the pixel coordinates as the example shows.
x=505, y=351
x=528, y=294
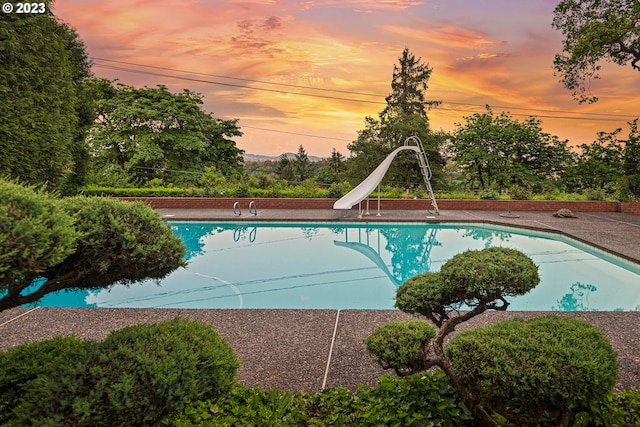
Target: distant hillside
x=263, y=158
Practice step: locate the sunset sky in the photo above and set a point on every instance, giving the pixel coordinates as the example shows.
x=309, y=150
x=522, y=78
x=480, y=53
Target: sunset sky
x=309, y=72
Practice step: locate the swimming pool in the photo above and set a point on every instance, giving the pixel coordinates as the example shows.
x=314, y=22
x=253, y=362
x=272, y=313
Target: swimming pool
x=359, y=266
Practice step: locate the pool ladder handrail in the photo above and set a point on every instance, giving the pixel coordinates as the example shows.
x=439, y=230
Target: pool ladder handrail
x=252, y=208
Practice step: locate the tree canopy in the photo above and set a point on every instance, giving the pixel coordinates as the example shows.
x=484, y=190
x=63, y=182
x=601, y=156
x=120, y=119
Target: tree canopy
x=408, y=85
x=152, y=133
x=595, y=31
x=43, y=111
x=500, y=152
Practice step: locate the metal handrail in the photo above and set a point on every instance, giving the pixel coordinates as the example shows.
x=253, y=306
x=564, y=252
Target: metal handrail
x=253, y=211
x=236, y=209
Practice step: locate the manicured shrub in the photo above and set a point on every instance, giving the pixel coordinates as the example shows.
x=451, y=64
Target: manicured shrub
x=487, y=275
x=397, y=345
x=122, y=242
x=49, y=245
x=26, y=362
x=35, y=234
x=136, y=377
x=423, y=294
x=524, y=370
x=93, y=190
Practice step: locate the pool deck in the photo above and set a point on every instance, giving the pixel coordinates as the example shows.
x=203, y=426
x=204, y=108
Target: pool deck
x=311, y=349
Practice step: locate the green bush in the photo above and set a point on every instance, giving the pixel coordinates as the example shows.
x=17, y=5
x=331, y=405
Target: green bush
x=524, y=370
x=423, y=294
x=488, y=274
x=94, y=190
x=520, y=193
x=338, y=189
x=26, y=362
x=245, y=407
x=489, y=195
x=35, y=234
x=417, y=400
x=622, y=409
x=138, y=376
x=397, y=345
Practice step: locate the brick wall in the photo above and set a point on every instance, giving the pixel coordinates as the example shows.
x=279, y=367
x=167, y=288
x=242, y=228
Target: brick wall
x=630, y=208
x=392, y=204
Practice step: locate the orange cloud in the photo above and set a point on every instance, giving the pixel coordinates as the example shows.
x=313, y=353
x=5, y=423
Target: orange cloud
x=494, y=53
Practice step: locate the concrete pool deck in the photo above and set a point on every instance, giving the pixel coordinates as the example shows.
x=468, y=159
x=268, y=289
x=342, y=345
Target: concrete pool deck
x=311, y=349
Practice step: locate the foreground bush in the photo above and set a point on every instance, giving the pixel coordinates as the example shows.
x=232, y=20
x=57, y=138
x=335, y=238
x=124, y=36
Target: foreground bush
x=136, y=377
x=419, y=400
x=49, y=244
x=26, y=362
x=525, y=370
x=398, y=345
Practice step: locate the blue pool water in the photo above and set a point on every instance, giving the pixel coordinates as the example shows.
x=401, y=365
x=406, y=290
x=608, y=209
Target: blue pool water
x=359, y=266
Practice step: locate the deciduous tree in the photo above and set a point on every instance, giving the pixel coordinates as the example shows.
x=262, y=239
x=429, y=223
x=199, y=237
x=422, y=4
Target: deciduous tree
x=153, y=133
x=595, y=31
x=500, y=152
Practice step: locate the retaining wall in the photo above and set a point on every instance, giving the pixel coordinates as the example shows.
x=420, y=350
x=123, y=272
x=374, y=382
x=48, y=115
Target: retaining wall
x=392, y=204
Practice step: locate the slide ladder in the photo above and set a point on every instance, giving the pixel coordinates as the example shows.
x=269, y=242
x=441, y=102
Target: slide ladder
x=425, y=169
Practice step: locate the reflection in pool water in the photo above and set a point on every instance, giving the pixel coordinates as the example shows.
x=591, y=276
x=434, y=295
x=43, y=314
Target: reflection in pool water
x=359, y=266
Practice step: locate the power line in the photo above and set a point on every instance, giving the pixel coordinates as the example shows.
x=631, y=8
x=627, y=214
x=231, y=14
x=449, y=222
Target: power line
x=341, y=91
x=240, y=79
x=151, y=73
x=296, y=133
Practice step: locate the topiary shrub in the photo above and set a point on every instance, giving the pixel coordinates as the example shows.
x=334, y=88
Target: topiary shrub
x=489, y=275
x=526, y=369
x=467, y=285
x=26, y=362
x=398, y=345
x=35, y=234
x=136, y=377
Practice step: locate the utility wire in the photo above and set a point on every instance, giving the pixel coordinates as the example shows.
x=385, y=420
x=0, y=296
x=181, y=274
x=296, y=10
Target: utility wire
x=298, y=134
x=336, y=90
x=151, y=73
x=240, y=79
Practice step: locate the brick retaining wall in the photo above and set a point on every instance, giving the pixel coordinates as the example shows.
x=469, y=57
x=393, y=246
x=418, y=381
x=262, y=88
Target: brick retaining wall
x=392, y=204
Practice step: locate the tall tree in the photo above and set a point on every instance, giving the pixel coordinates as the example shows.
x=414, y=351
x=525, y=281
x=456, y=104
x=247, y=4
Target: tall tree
x=302, y=164
x=632, y=158
x=404, y=115
x=43, y=112
x=153, y=133
x=500, y=152
x=409, y=82
x=595, y=31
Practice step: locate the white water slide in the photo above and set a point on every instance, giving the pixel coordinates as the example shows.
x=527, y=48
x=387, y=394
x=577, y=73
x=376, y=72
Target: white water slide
x=366, y=187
